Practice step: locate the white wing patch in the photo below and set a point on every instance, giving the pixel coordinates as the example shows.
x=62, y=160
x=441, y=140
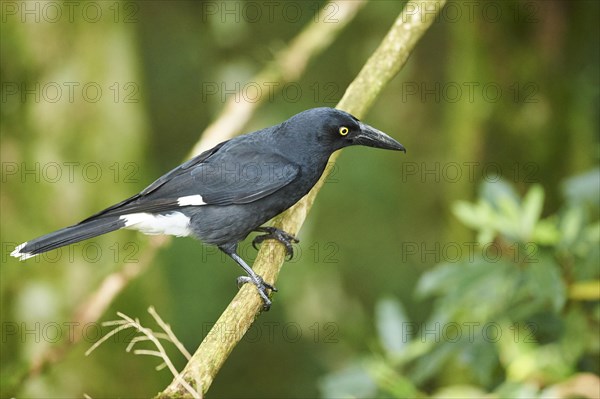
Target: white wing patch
x=174, y=223
x=191, y=200
x=21, y=255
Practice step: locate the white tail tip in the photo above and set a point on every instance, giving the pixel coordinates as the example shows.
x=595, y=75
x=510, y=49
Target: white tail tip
x=21, y=255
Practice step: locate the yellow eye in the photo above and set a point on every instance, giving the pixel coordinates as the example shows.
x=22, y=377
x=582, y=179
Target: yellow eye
x=343, y=130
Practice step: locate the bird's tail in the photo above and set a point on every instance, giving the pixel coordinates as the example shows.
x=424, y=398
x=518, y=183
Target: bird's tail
x=68, y=235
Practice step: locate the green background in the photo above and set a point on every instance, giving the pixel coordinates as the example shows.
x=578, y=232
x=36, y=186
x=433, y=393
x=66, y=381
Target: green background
x=498, y=88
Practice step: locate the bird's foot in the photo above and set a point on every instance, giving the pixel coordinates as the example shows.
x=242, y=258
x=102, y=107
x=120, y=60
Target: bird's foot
x=261, y=285
x=279, y=235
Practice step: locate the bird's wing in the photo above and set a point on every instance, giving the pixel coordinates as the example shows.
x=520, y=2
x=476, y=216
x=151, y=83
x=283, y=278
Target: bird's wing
x=182, y=169
x=236, y=174
x=117, y=208
x=242, y=173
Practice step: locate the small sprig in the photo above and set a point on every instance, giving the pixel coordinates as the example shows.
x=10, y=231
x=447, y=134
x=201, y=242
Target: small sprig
x=146, y=334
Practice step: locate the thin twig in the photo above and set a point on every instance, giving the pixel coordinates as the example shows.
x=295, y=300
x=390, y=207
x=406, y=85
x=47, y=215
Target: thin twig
x=147, y=352
x=237, y=318
x=127, y=322
x=124, y=326
x=171, y=336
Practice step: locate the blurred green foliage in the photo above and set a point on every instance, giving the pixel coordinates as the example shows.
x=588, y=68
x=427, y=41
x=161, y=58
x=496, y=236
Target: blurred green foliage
x=518, y=317
x=382, y=248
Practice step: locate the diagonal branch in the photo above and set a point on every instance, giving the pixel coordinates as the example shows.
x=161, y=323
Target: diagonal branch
x=237, y=318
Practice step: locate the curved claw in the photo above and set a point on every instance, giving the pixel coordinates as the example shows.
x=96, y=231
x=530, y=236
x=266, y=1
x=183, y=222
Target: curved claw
x=261, y=286
x=269, y=286
x=279, y=235
x=257, y=240
x=241, y=280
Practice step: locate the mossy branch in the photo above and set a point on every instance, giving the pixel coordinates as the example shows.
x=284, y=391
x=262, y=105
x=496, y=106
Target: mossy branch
x=238, y=317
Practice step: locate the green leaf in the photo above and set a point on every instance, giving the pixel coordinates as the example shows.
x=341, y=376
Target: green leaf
x=391, y=322
x=546, y=232
x=485, y=236
x=482, y=359
x=531, y=211
x=468, y=213
x=428, y=365
x=391, y=381
x=583, y=188
x=480, y=216
x=437, y=280
x=578, y=336
x=469, y=291
x=350, y=382
x=592, y=233
x=508, y=220
x=570, y=226
x=546, y=283
x=493, y=192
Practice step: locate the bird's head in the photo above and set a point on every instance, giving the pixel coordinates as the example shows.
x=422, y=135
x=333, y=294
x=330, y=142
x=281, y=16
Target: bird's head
x=336, y=129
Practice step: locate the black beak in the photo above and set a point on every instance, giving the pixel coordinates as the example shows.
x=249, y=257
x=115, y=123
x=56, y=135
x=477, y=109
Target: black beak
x=371, y=137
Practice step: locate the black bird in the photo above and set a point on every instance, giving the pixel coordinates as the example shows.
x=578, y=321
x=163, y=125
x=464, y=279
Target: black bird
x=223, y=194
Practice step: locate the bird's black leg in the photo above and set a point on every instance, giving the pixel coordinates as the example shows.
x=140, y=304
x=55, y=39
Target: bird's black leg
x=275, y=234
x=251, y=277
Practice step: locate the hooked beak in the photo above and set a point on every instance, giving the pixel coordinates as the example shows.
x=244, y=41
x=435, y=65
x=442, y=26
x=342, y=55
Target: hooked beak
x=371, y=137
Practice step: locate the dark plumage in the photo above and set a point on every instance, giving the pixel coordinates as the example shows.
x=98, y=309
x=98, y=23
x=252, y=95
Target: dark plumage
x=225, y=193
